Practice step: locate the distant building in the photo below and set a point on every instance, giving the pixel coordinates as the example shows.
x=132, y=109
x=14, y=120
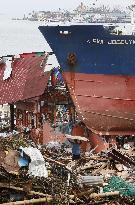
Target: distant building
x=83, y=13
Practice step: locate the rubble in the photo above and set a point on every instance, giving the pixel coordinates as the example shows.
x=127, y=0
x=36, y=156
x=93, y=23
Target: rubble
x=94, y=179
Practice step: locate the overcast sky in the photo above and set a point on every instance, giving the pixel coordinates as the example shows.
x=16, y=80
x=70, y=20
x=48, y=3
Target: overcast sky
x=19, y=7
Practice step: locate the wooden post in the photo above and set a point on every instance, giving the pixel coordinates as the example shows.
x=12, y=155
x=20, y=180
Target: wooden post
x=106, y=194
x=12, y=117
x=54, y=117
x=31, y=201
x=17, y=117
x=24, y=118
x=26, y=123
x=6, y=185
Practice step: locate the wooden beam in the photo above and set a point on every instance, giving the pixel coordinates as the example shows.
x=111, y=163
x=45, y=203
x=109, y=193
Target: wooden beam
x=31, y=201
x=12, y=117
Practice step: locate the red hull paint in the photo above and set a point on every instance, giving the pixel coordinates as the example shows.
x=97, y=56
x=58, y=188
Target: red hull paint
x=106, y=103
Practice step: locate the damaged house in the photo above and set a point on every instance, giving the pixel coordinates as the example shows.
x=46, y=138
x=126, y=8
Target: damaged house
x=48, y=103
x=35, y=95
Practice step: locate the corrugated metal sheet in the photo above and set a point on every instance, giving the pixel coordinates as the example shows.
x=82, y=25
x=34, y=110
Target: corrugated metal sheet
x=27, y=80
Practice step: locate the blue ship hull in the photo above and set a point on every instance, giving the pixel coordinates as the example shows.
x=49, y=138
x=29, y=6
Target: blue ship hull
x=96, y=50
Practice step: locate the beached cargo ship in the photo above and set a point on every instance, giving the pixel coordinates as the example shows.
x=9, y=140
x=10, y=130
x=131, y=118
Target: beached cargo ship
x=98, y=64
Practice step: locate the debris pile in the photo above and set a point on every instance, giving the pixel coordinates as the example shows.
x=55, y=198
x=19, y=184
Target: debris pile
x=47, y=174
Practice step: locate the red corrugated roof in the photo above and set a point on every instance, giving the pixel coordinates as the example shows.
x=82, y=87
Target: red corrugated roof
x=27, y=80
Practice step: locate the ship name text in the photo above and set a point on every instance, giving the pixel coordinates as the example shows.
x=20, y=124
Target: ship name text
x=111, y=42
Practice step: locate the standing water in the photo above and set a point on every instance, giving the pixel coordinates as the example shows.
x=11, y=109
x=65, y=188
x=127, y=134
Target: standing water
x=19, y=36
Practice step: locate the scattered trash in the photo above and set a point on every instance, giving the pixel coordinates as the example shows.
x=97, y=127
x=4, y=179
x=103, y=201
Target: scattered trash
x=52, y=144
x=118, y=184
x=91, y=180
x=37, y=165
x=10, y=162
x=31, y=174
x=77, y=138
